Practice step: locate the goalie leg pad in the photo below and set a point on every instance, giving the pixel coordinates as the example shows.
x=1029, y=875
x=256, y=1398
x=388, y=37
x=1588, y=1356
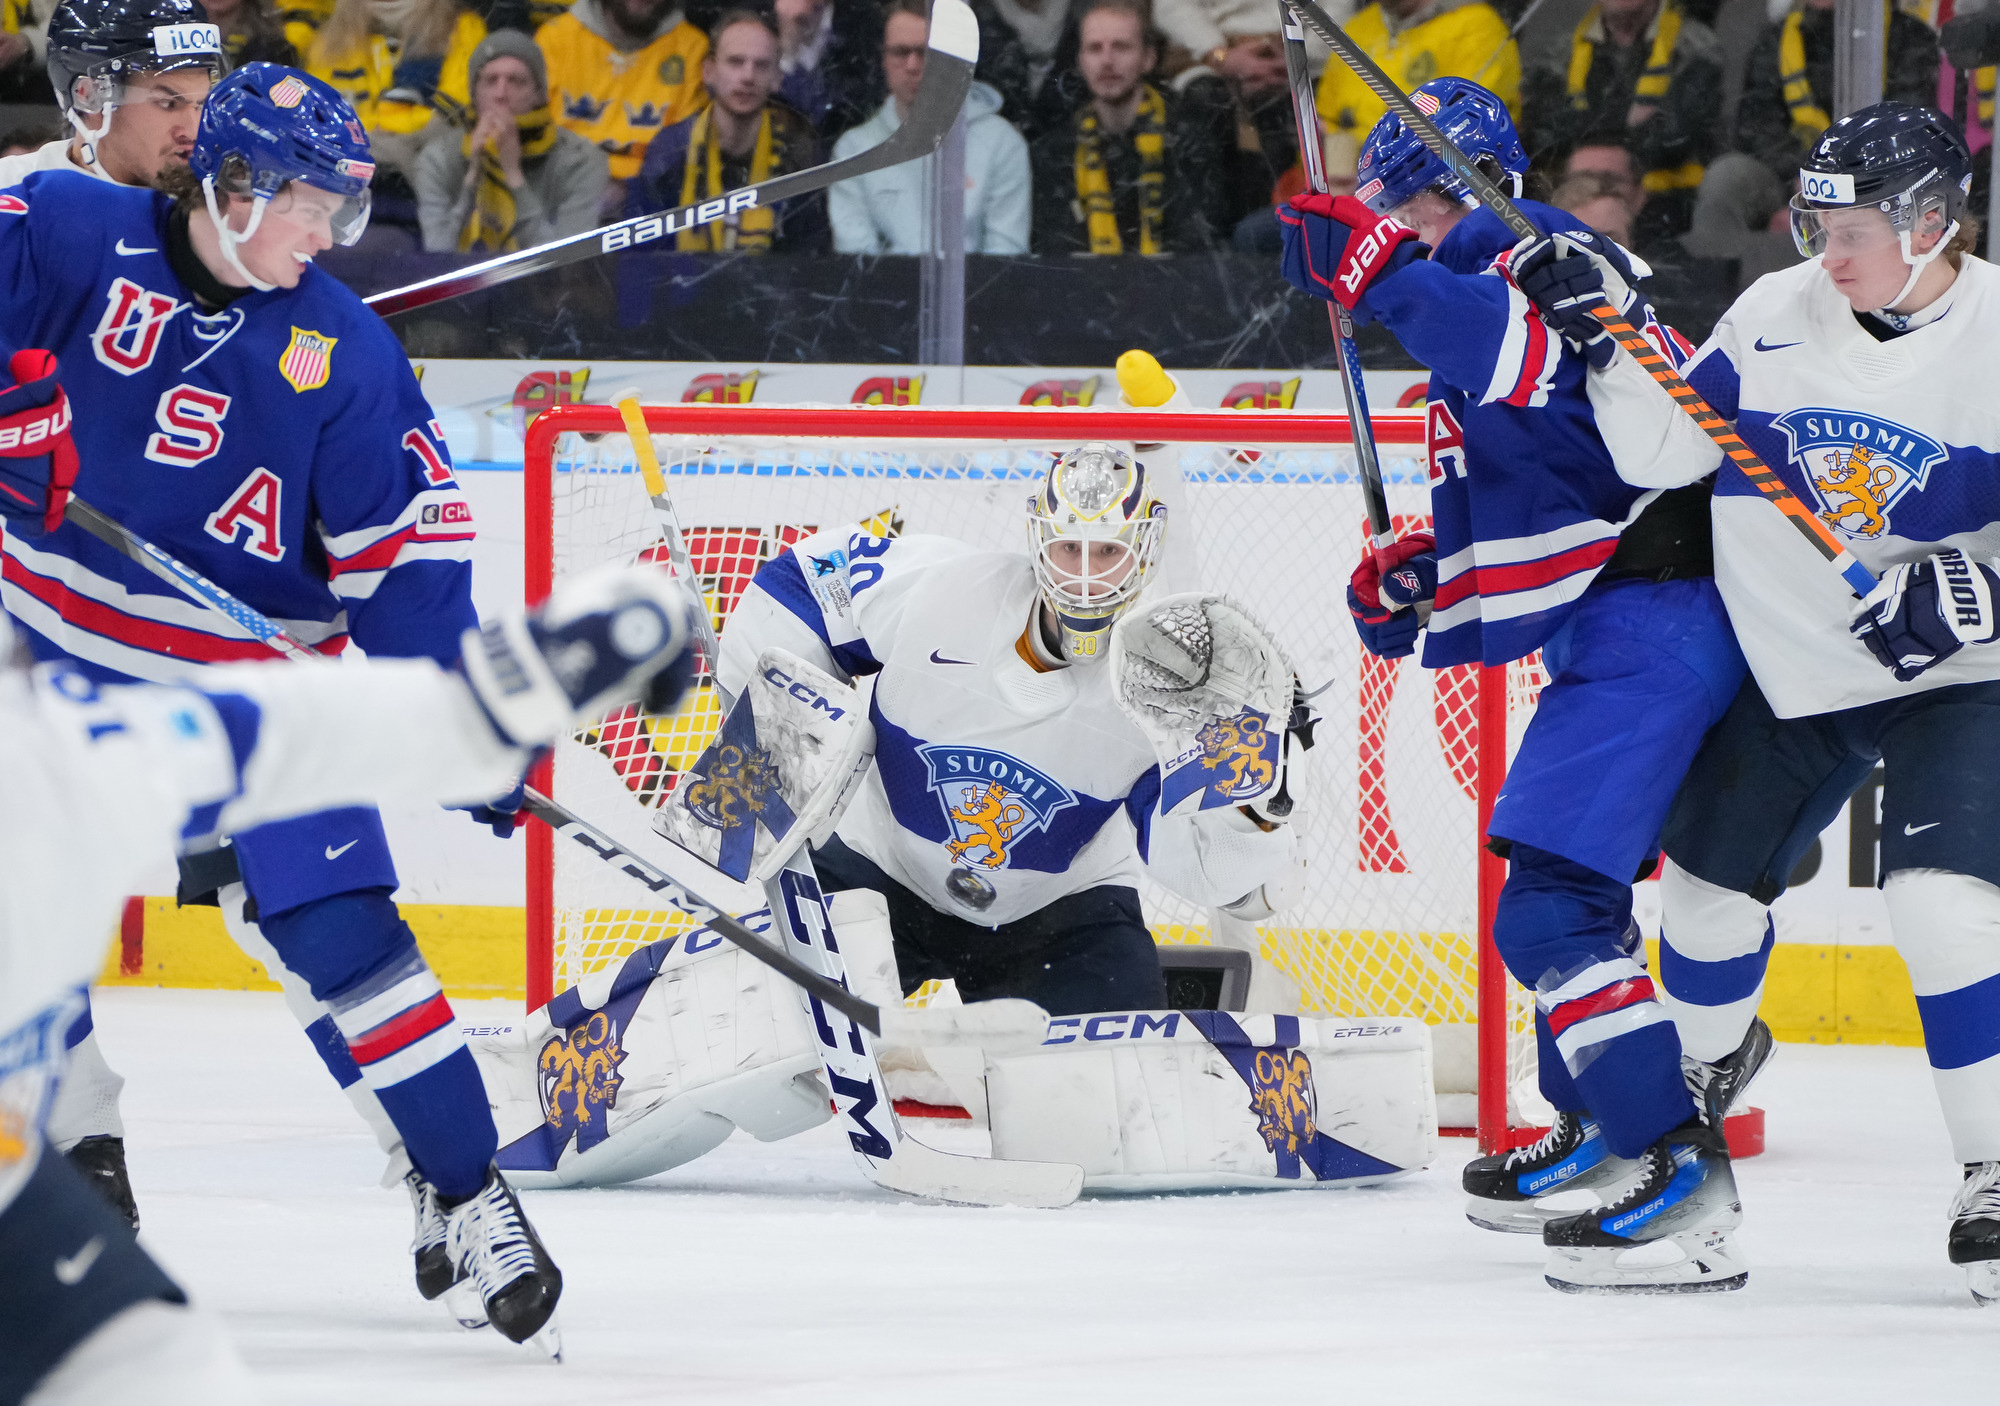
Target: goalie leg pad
x=650, y=1064
x=1149, y=1101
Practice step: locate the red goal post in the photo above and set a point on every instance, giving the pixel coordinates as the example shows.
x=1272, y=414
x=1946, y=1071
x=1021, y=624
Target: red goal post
x=1397, y=917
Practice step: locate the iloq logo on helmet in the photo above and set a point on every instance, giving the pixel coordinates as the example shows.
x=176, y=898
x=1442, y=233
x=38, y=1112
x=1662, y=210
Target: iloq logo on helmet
x=1826, y=187
x=172, y=41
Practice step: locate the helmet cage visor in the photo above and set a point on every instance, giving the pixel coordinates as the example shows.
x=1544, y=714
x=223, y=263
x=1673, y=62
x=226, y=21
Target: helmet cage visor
x=1095, y=533
x=301, y=200
x=1825, y=229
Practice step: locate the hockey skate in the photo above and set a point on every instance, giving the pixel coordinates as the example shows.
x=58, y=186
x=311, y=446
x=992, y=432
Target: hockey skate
x=1509, y=1191
x=435, y=1275
x=102, y=1162
x=1719, y=1086
x=1975, y=1231
x=1667, y=1234
x=491, y=1244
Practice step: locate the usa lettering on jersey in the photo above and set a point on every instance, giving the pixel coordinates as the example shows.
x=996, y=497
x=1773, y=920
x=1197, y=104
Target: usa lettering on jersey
x=128, y=335
x=254, y=508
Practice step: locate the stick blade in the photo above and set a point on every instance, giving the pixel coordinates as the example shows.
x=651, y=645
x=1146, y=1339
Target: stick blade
x=1009, y=1026
x=917, y=1170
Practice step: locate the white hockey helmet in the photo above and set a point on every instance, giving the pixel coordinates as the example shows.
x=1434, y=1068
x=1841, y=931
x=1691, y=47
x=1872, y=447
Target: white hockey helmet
x=1095, y=527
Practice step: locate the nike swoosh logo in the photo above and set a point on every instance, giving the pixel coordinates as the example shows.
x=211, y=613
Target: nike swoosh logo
x=1919, y=829
x=120, y=246
x=332, y=853
x=70, y=1271
x=1759, y=344
x=937, y=658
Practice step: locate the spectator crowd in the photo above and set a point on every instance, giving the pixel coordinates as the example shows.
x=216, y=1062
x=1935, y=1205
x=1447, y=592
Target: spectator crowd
x=1095, y=127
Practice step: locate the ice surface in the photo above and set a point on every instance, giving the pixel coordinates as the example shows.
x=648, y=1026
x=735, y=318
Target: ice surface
x=776, y=1274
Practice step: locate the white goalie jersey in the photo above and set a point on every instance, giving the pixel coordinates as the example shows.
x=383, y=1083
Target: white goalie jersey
x=1002, y=783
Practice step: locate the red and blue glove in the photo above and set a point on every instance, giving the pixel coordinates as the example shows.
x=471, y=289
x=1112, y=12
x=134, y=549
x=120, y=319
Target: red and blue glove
x=502, y=813
x=37, y=460
x=1337, y=248
x=1924, y=612
x=1383, y=598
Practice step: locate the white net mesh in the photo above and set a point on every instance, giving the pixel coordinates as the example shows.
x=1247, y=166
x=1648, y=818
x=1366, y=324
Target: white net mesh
x=1387, y=798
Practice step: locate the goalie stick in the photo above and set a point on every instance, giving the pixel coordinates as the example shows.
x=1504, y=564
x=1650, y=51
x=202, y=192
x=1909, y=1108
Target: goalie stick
x=1306, y=110
x=953, y=49
x=1000, y=1024
x=669, y=523
x=1761, y=476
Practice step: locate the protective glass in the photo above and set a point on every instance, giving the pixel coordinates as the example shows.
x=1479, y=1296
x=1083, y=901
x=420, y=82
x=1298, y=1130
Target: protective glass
x=343, y=218
x=1853, y=231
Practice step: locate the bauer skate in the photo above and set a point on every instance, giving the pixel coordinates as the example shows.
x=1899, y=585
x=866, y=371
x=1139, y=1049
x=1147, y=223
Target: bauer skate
x=1975, y=1231
x=1509, y=1191
x=492, y=1245
x=102, y=1162
x=435, y=1275
x=1719, y=1086
x=1668, y=1233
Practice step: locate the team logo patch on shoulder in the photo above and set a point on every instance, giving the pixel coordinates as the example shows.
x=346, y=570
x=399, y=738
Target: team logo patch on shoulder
x=308, y=360
x=991, y=801
x=1858, y=465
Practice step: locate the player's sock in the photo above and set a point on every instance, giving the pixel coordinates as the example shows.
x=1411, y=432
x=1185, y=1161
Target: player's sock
x=1509, y=1191
x=1974, y=1243
x=1667, y=1233
x=490, y=1240
x=102, y=1162
x=1718, y=1085
x=446, y=1124
x=1714, y=947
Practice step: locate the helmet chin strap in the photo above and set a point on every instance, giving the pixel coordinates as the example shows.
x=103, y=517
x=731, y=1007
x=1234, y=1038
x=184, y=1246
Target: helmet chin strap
x=230, y=239
x=90, y=138
x=1918, y=263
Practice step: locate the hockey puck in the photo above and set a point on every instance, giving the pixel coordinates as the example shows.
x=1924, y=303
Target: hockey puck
x=969, y=890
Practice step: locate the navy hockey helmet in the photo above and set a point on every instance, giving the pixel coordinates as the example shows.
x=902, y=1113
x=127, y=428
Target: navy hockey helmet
x=105, y=42
x=1908, y=162
x=1396, y=165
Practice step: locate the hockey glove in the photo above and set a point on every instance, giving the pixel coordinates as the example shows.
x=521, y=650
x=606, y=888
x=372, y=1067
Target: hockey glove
x=1385, y=603
x=1924, y=612
x=37, y=460
x=502, y=814
x=1565, y=276
x=1337, y=248
x=615, y=635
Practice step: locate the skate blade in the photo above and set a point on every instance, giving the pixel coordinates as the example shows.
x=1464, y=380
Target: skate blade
x=464, y=1304
x=1690, y=1262
x=1983, y=1279
x=545, y=1343
x=1528, y=1217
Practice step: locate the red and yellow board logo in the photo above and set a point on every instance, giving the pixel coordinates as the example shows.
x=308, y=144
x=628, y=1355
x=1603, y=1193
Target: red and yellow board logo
x=543, y=390
x=721, y=388
x=308, y=361
x=1261, y=395
x=1061, y=392
x=889, y=390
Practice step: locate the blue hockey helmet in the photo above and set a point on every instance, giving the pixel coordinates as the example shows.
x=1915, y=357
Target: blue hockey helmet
x=265, y=126
x=1396, y=166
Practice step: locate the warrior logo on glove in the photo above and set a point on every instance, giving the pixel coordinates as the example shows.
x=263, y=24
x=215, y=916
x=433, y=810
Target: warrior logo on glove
x=1858, y=465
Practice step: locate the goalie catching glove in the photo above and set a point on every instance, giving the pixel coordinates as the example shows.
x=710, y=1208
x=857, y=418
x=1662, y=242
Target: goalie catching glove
x=612, y=636
x=1922, y=613
x=1214, y=695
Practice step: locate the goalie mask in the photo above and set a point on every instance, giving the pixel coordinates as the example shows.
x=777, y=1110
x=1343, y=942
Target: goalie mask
x=1095, y=527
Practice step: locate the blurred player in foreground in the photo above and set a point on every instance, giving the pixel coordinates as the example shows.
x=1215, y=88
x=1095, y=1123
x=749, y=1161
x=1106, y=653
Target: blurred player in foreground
x=104, y=778
x=1539, y=542
x=1865, y=378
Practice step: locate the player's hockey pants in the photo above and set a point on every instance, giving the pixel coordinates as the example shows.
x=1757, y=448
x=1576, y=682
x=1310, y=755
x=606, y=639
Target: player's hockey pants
x=1763, y=787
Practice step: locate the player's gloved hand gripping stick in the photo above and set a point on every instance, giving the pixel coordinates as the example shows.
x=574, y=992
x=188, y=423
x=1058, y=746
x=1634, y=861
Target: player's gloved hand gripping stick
x=1353, y=389
x=1761, y=475
x=948, y=63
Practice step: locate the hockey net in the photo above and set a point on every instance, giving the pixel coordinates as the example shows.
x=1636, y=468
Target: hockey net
x=1392, y=795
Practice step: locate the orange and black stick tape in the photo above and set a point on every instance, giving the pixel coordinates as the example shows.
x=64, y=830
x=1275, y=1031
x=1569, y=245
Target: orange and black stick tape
x=1761, y=476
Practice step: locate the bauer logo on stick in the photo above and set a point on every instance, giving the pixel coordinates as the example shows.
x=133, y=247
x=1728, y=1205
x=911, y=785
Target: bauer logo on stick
x=1858, y=466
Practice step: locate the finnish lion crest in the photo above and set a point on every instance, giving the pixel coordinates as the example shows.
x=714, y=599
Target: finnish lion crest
x=735, y=787
x=992, y=801
x=1281, y=1095
x=1858, y=465
x=578, y=1071
x=1234, y=749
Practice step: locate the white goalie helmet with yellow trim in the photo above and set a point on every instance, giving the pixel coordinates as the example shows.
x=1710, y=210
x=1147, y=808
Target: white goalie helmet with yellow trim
x=1095, y=527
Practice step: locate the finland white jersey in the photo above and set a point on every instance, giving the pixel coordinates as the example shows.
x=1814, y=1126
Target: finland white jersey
x=993, y=774
x=1893, y=443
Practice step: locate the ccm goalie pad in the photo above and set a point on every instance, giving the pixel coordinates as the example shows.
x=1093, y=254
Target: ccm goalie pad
x=1174, y=1100
x=789, y=757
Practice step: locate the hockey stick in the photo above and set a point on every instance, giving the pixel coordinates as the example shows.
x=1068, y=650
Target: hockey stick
x=670, y=529
x=1306, y=110
x=1761, y=476
x=997, y=1024
x=954, y=48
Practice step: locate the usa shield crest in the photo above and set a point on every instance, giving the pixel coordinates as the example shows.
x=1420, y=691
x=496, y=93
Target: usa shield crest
x=308, y=360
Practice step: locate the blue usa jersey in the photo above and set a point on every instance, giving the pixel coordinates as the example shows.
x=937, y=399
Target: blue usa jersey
x=281, y=447
x=1525, y=501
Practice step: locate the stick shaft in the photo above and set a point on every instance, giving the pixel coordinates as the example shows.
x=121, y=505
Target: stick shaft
x=1764, y=478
